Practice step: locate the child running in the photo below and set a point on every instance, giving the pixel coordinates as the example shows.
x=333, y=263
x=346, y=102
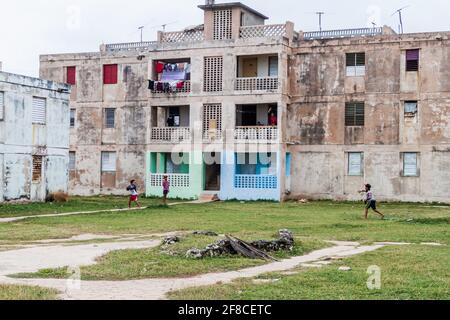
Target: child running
x=132, y=188
x=166, y=188
x=370, y=201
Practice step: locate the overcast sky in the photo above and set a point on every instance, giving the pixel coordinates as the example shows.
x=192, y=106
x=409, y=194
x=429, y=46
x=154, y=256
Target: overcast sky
x=29, y=28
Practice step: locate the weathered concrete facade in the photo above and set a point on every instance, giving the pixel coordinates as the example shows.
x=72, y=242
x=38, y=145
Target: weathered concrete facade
x=245, y=73
x=34, y=137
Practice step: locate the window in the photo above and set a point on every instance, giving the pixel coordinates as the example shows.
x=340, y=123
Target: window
x=212, y=121
x=110, y=118
x=73, y=113
x=355, y=164
x=110, y=73
x=71, y=75
x=2, y=105
x=273, y=66
x=223, y=24
x=213, y=76
x=72, y=161
x=356, y=64
x=37, y=168
x=39, y=110
x=354, y=114
x=412, y=60
x=108, y=162
x=410, y=108
x=410, y=168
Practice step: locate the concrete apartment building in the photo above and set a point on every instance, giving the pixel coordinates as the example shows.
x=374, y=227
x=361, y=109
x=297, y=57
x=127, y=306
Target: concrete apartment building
x=250, y=111
x=34, y=138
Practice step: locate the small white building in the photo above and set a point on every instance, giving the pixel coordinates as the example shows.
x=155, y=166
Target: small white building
x=34, y=137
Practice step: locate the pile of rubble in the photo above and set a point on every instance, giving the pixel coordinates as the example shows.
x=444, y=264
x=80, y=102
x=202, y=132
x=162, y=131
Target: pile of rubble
x=254, y=250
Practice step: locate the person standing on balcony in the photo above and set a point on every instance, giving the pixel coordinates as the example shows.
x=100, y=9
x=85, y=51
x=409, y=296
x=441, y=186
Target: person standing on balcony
x=273, y=120
x=132, y=188
x=166, y=188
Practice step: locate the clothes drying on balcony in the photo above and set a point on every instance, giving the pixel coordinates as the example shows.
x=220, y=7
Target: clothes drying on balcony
x=166, y=87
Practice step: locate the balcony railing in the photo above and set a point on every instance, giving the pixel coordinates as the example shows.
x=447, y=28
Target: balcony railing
x=171, y=134
x=212, y=135
x=248, y=181
x=131, y=46
x=256, y=133
x=185, y=89
x=257, y=84
x=345, y=33
x=182, y=36
x=263, y=31
x=176, y=180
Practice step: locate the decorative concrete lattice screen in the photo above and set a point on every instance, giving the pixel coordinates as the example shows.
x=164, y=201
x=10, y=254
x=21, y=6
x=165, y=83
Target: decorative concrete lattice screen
x=223, y=23
x=255, y=182
x=176, y=180
x=213, y=77
x=212, y=121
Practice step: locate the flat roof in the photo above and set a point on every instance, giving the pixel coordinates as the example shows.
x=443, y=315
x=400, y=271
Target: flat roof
x=232, y=5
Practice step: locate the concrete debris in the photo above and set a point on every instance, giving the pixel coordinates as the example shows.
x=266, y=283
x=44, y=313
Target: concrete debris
x=345, y=269
x=205, y=233
x=254, y=250
x=303, y=201
x=171, y=240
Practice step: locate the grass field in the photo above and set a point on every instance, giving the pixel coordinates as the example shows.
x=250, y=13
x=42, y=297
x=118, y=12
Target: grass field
x=26, y=293
x=410, y=271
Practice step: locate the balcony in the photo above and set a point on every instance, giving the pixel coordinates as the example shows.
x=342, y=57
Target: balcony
x=263, y=31
x=176, y=180
x=186, y=89
x=256, y=134
x=174, y=135
x=248, y=181
x=257, y=84
x=344, y=33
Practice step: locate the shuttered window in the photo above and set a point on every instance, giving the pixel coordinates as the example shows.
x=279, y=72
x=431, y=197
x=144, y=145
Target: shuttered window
x=356, y=64
x=110, y=73
x=354, y=114
x=39, y=110
x=73, y=113
x=72, y=161
x=37, y=168
x=2, y=105
x=110, y=118
x=273, y=66
x=71, y=75
x=412, y=60
x=410, y=164
x=355, y=164
x=108, y=162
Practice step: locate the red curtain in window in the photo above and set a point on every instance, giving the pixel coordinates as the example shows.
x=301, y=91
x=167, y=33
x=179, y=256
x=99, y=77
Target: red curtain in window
x=71, y=75
x=110, y=74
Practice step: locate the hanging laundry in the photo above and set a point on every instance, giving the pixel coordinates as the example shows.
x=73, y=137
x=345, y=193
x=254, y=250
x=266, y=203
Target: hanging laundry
x=180, y=85
x=151, y=85
x=159, y=67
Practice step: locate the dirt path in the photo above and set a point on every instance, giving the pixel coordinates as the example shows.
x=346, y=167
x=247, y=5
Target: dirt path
x=15, y=219
x=33, y=259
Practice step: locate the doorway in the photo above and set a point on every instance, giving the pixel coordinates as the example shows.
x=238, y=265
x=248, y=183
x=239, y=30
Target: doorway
x=212, y=171
x=250, y=67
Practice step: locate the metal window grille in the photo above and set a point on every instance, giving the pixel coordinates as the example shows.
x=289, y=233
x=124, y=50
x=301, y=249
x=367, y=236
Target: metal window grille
x=355, y=164
x=223, y=22
x=354, y=114
x=110, y=118
x=108, y=162
x=39, y=110
x=212, y=121
x=356, y=64
x=37, y=168
x=72, y=118
x=213, y=77
x=412, y=60
x=410, y=164
x=72, y=161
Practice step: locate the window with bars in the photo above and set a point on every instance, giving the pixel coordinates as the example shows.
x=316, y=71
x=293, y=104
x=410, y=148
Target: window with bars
x=223, y=23
x=212, y=121
x=356, y=64
x=110, y=118
x=73, y=113
x=410, y=164
x=39, y=113
x=37, y=168
x=355, y=164
x=411, y=108
x=213, y=77
x=108, y=162
x=354, y=114
x=72, y=161
x=110, y=74
x=2, y=105
x=412, y=60
x=71, y=75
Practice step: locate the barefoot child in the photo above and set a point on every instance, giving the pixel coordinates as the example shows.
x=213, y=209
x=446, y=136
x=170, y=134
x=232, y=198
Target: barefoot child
x=370, y=201
x=134, y=194
x=166, y=188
